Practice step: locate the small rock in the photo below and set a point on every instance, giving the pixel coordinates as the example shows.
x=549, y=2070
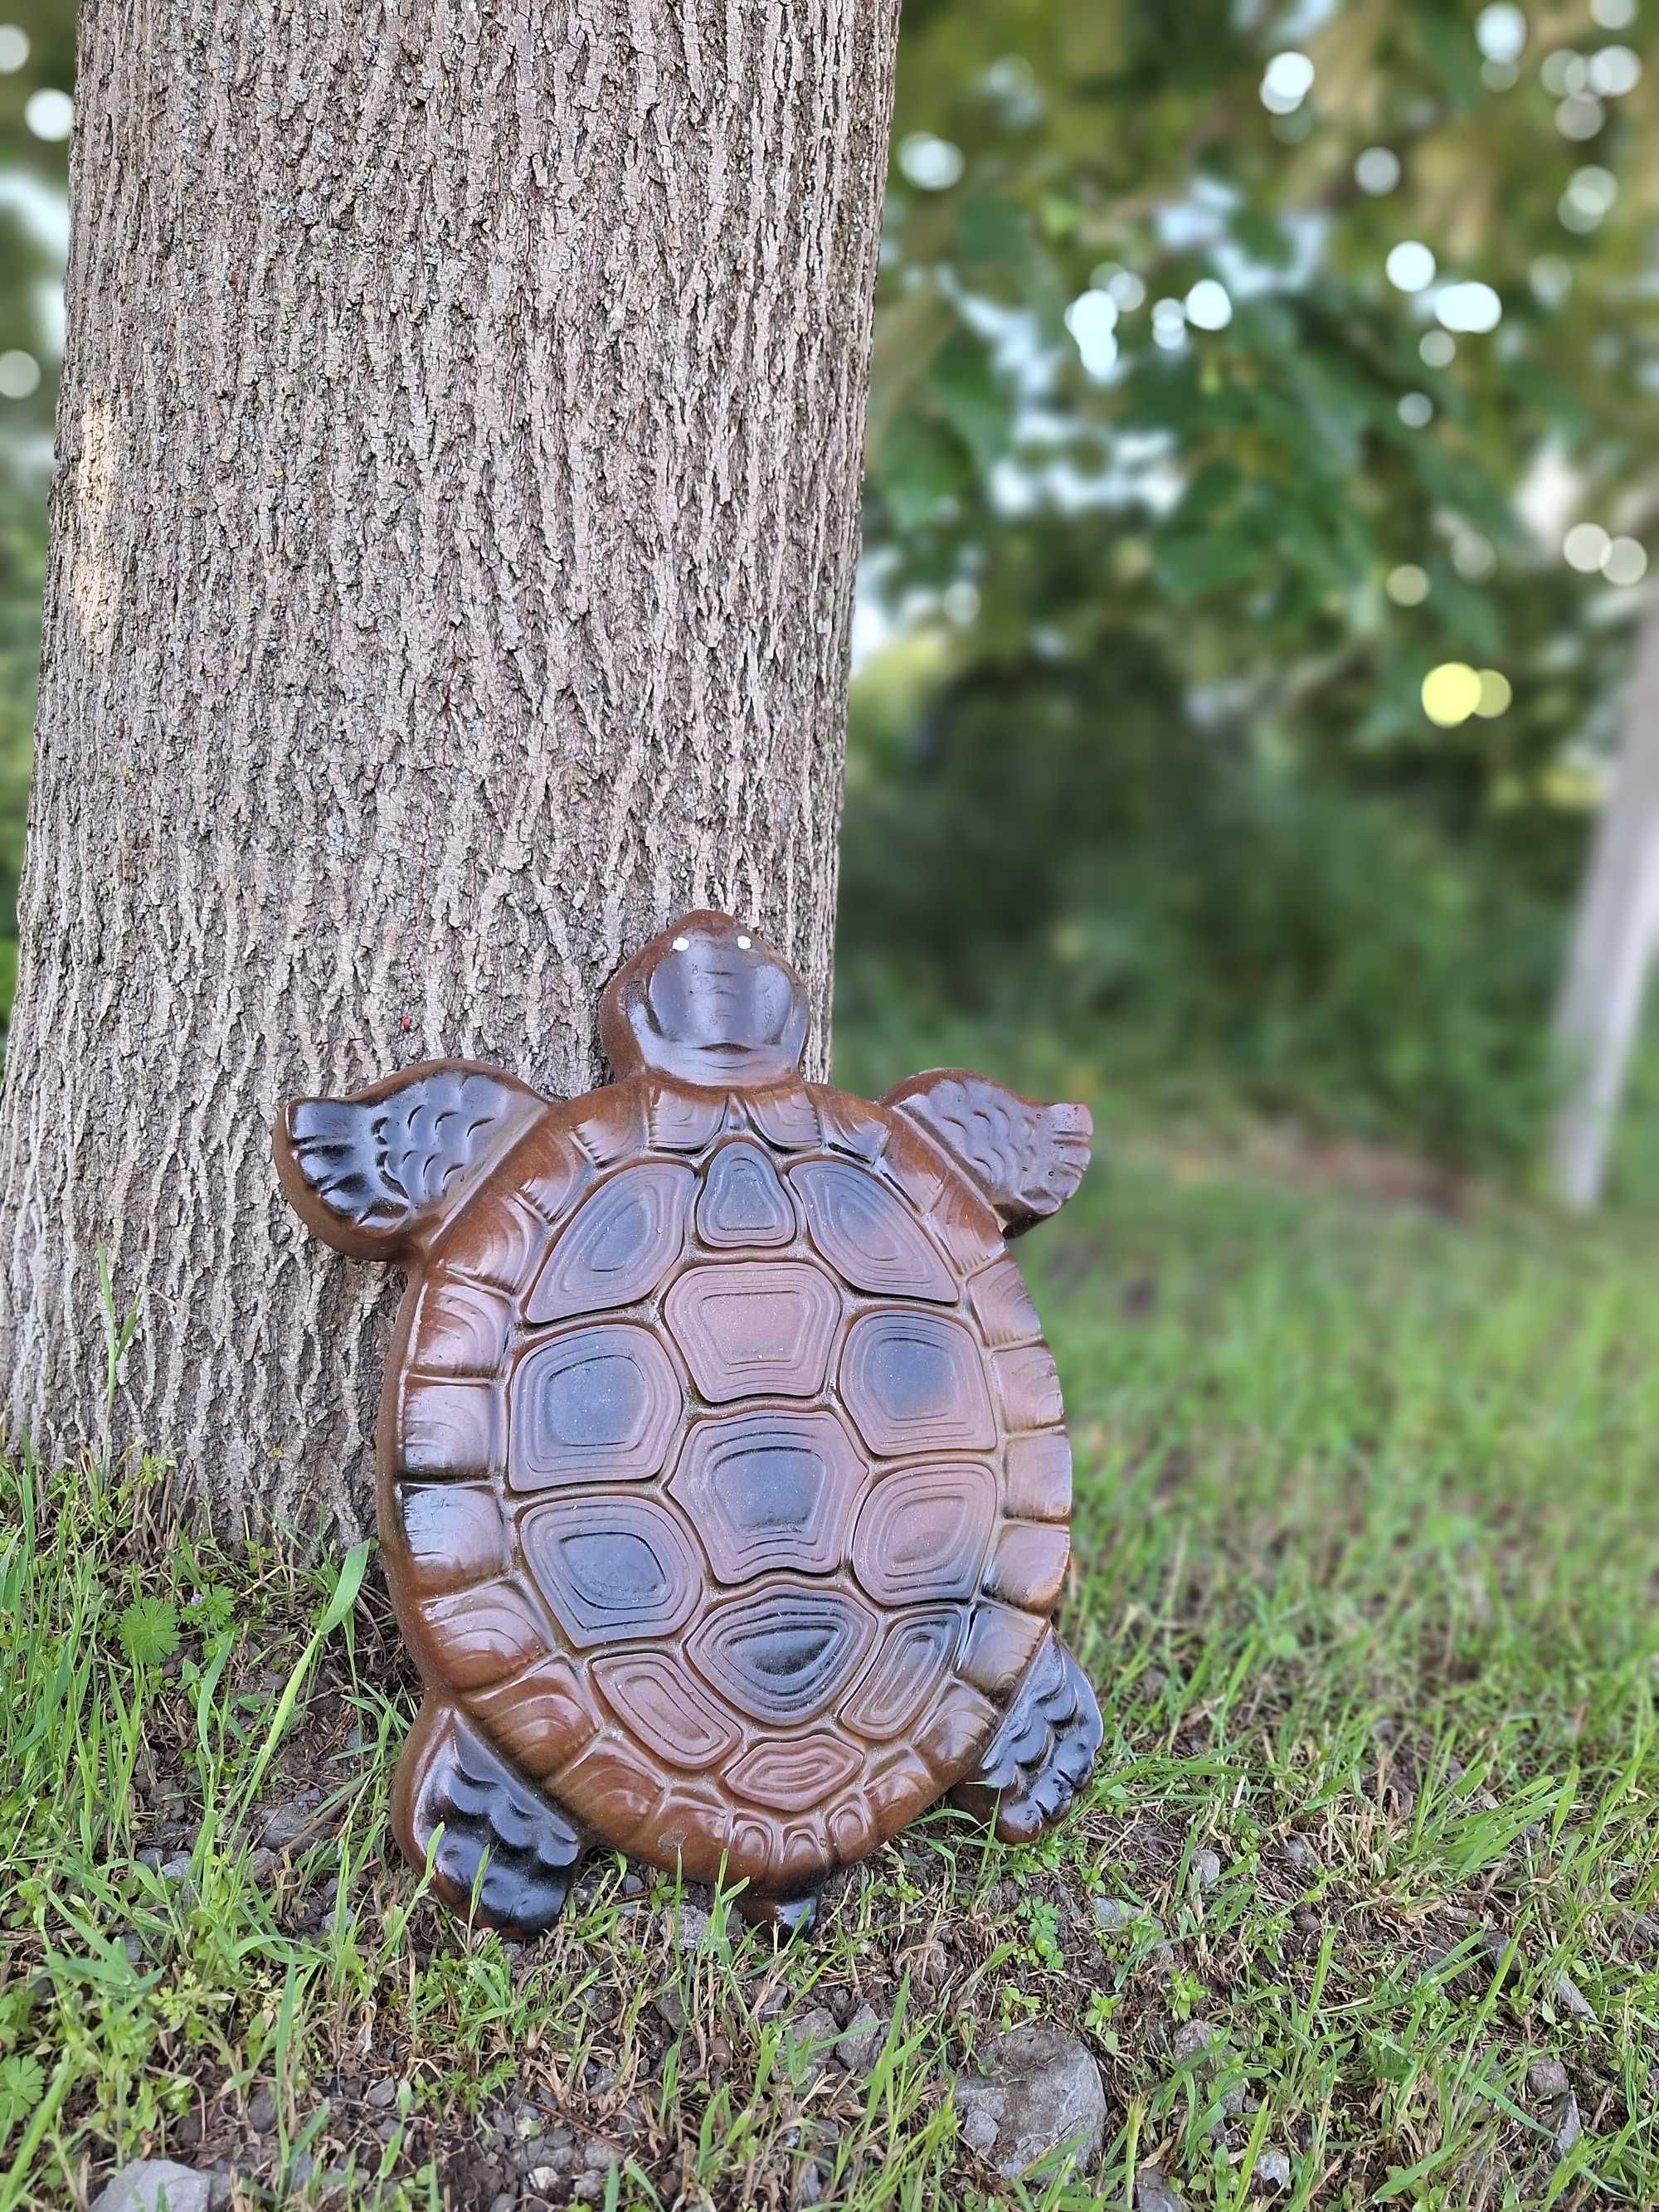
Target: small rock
x=1190, y=2038
x=1299, y=1856
x=1644, y=1930
x=689, y=1927
x=1038, y=2088
x=1113, y=1915
x=1273, y=2169
x=1569, y=2128
x=380, y=2094
x=261, y=1864
x=301, y=2167
x=1547, y=2077
x=671, y=2011
x=599, y=2157
x=1154, y=2194
x=1207, y=1869
x=504, y=2201
x=221, y=2187
x=809, y=2037
x=545, y=2179
x=149, y=2184
x=289, y=1820
x=133, y=1946
x=809, y=2185
x=588, y=2188
x=150, y=1857
x=1570, y=1998
x=860, y=2042
x=261, y=2112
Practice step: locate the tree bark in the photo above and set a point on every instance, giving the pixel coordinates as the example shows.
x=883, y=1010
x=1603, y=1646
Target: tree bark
x=452, y=543
x=1600, y=1015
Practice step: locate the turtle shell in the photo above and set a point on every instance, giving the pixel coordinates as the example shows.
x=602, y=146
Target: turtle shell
x=723, y=1480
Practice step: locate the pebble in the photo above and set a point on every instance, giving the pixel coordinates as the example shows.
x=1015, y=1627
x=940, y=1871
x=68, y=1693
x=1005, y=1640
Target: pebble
x=1037, y=2088
x=1569, y=2128
x=1154, y=2194
x=261, y=2112
x=1547, y=2077
x=1299, y=1855
x=1570, y=1998
x=1273, y=2169
x=142, y=2186
x=1206, y=1867
x=380, y=2094
x=289, y=1820
x=1190, y=2038
x=1113, y=1915
x=670, y=2009
x=861, y=2042
x=808, y=2039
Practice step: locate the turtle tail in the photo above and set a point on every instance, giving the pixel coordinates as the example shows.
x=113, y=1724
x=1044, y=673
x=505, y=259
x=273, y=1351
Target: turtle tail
x=1042, y=1754
x=528, y=1849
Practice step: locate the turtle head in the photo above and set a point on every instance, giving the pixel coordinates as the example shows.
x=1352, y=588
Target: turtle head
x=708, y=1002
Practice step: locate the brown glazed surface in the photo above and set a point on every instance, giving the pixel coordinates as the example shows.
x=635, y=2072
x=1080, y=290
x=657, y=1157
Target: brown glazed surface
x=724, y=1488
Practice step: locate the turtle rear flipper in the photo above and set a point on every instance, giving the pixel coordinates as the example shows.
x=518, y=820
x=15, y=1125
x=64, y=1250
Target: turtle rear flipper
x=373, y=1174
x=530, y=1850
x=1042, y=1753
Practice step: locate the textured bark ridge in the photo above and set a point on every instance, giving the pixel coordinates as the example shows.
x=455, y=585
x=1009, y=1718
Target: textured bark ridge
x=452, y=543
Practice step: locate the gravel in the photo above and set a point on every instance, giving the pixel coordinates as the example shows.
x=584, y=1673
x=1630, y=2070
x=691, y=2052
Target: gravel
x=1038, y=2088
x=151, y=2184
x=860, y=2042
x=1154, y=2194
x=1547, y=2077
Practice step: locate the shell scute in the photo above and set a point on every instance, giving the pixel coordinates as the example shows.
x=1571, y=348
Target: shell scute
x=865, y=1232
x=922, y=1531
x=753, y=1328
x=617, y=1246
x=915, y=1382
x=769, y=1489
x=589, y=1405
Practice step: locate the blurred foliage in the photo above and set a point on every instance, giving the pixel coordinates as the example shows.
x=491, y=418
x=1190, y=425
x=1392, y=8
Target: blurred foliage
x=1147, y=755
x=1140, y=764
x=33, y=175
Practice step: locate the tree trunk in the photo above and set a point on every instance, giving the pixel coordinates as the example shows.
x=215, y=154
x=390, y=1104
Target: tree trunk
x=1600, y=1015
x=453, y=545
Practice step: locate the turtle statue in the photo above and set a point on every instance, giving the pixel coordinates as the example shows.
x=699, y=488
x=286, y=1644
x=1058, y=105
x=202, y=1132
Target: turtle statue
x=724, y=1490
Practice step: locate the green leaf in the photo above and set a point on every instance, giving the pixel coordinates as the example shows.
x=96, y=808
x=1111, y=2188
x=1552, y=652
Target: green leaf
x=972, y=397
x=1208, y=561
x=1262, y=239
x=22, y=2082
x=922, y=465
x=148, y=1631
x=992, y=232
x=1448, y=46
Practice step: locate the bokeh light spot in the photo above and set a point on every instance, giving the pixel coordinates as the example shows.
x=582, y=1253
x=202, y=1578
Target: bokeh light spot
x=1208, y=306
x=14, y=48
x=1377, y=170
x=1496, y=693
x=1625, y=561
x=50, y=114
x=1500, y=31
x=1585, y=547
x=1410, y=266
x=20, y=374
x=1417, y=411
x=1437, y=349
x=1285, y=83
x=1407, y=586
x=1451, y=693
x=1470, y=307
x=931, y=163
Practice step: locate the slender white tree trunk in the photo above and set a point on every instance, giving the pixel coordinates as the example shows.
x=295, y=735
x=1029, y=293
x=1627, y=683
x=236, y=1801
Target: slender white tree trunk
x=452, y=544
x=1600, y=1015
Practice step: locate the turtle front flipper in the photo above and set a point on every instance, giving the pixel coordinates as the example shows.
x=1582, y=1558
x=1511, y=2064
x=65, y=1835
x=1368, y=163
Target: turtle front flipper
x=1042, y=1754
x=1025, y=1158
x=375, y=1174
x=529, y=1848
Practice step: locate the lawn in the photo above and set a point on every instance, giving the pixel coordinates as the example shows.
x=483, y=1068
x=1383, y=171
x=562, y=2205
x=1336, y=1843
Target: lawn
x=1365, y=1893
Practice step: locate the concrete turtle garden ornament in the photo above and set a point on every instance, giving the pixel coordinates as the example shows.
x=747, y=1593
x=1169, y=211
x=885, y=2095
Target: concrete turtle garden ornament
x=723, y=1484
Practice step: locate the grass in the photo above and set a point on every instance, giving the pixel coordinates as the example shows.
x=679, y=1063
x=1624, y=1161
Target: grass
x=1368, y=1552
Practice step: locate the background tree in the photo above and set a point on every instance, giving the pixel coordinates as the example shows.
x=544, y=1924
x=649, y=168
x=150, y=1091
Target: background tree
x=452, y=540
